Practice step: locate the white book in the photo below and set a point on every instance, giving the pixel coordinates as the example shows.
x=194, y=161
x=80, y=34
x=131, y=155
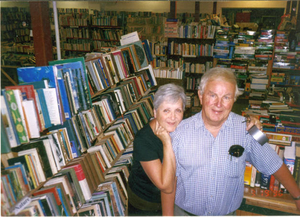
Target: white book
x=52, y=105
x=129, y=38
x=104, y=156
x=31, y=117
x=56, y=150
x=120, y=97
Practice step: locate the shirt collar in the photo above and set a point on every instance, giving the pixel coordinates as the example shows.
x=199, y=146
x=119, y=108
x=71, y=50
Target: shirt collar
x=199, y=123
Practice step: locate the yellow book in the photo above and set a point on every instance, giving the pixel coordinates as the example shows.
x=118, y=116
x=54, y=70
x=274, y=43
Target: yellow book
x=32, y=171
x=247, y=174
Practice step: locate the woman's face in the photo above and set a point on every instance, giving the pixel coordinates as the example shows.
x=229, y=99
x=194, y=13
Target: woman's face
x=169, y=115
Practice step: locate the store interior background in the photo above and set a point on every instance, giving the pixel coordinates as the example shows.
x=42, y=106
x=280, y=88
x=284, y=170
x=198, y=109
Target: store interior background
x=206, y=7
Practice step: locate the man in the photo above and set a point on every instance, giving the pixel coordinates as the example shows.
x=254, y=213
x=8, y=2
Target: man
x=209, y=168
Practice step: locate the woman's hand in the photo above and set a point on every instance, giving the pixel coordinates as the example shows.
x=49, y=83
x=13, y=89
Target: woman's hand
x=161, y=133
x=252, y=120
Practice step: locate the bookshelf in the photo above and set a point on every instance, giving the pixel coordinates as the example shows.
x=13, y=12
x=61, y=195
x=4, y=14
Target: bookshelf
x=16, y=41
x=195, y=55
x=74, y=32
x=90, y=141
x=264, y=202
x=148, y=24
x=106, y=29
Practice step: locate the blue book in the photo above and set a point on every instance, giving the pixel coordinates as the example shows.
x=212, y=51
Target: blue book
x=63, y=94
x=44, y=108
x=265, y=181
x=102, y=73
x=118, y=199
x=80, y=64
x=62, y=202
x=79, y=80
x=32, y=74
x=68, y=75
x=147, y=49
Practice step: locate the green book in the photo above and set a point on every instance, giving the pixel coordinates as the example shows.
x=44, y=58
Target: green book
x=5, y=146
x=17, y=117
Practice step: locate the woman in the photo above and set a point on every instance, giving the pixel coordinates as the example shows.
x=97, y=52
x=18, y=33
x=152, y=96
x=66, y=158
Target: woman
x=153, y=169
x=149, y=175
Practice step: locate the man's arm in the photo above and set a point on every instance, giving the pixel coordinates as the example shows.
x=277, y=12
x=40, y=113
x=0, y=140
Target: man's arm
x=284, y=176
x=168, y=201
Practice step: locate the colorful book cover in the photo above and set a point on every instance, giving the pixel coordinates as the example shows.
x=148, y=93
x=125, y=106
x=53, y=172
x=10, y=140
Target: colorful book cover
x=17, y=118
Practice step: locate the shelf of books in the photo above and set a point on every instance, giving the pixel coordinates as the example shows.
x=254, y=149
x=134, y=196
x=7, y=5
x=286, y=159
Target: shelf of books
x=16, y=41
x=67, y=132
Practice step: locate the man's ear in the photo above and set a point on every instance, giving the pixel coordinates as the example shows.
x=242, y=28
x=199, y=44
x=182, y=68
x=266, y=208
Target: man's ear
x=200, y=96
x=154, y=113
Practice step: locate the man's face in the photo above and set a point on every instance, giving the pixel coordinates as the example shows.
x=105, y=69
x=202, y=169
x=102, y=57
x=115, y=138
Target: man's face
x=217, y=101
x=169, y=115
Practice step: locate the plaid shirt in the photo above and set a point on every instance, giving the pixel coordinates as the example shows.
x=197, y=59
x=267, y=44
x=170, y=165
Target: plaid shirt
x=209, y=180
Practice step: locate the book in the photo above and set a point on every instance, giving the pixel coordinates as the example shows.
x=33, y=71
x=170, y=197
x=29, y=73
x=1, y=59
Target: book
x=33, y=74
x=56, y=202
x=32, y=118
x=8, y=122
x=120, y=63
x=29, y=91
x=81, y=176
x=92, y=210
x=73, y=182
x=44, y=108
x=248, y=173
x=14, y=101
x=77, y=64
x=5, y=146
x=37, y=162
x=22, y=160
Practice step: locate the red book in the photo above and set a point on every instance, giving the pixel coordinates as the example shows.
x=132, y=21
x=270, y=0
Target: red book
x=49, y=190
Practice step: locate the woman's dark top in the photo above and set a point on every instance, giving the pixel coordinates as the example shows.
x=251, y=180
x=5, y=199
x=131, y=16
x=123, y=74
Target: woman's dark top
x=146, y=147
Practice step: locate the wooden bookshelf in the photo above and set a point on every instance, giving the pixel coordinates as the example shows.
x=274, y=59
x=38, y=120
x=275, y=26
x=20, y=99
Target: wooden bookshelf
x=257, y=198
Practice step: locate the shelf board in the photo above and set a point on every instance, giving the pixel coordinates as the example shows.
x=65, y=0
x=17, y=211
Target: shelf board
x=270, y=200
